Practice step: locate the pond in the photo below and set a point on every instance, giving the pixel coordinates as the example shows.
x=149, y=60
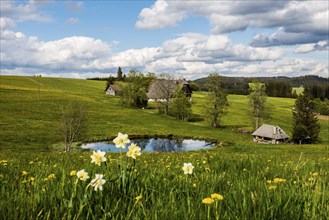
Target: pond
x=154, y=145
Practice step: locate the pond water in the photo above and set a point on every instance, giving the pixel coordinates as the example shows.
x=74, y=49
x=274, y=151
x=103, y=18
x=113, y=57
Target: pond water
x=154, y=145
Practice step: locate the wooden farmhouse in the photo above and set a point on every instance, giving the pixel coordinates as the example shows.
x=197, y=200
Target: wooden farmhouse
x=160, y=89
x=269, y=134
x=113, y=90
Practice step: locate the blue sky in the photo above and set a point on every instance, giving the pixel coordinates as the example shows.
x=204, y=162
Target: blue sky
x=190, y=39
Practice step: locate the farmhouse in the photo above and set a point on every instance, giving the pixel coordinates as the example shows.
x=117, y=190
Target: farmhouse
x=113, y=90
x=161, y=89
x=269, y=134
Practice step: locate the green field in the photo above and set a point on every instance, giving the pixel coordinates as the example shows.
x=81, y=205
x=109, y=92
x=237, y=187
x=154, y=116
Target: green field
x=240, y=170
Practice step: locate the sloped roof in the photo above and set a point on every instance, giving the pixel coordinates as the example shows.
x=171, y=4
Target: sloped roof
x=270, y=131
x=116, y=88
x=168, y=86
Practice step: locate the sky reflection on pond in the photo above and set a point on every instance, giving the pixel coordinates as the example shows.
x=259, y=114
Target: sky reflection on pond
x=154, y=144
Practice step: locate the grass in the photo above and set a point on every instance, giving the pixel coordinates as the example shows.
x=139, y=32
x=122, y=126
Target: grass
x=242, y=171
x=299, y=90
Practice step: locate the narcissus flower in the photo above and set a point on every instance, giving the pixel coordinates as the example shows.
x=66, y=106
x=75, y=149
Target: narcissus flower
x=134, y=151
x=121, y=140
x=208, y=201
x=98, y=157
x=82, y=175
x=98, y=182
x=188, y=168
x=217, y=196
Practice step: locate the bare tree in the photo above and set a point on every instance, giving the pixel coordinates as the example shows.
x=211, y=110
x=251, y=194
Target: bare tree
x=73, y=123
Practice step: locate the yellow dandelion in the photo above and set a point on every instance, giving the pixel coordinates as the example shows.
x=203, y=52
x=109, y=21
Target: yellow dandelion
x=315, y=174
x=31, y=162
x=217, y=196
x=272, y=187
x=73, y=173
x=208, y=201
x=194, y=185
x=51, y=176
x=24, y=173
x=279, y=180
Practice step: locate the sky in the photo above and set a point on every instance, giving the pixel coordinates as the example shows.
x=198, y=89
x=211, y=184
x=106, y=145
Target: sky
x=190, y=39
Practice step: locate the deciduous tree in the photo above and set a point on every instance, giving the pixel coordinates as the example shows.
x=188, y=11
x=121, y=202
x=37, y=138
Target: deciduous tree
x=257, y=100
x=73, y=123
x=217, y=103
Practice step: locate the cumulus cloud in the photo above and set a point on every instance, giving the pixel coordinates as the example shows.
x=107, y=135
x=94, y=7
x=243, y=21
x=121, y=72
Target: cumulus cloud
x=19, y=11
x=158, y=16
x=306, y=48
x=298, y=22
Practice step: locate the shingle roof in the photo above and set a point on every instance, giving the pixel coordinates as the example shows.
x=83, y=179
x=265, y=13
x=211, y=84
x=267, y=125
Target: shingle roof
x=169, y=86
x=270, y=131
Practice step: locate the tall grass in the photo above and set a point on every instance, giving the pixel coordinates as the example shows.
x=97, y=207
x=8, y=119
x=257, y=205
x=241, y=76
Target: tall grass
x=39, y=185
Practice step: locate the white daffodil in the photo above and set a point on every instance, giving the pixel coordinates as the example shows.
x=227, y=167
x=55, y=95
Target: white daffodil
x=121, y=140
x=134, y=151
x=188, y=168
x=82, y=175
x=98, y=157
x=98, y=182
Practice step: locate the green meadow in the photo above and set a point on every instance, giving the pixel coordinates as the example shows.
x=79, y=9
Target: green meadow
x=38, y=179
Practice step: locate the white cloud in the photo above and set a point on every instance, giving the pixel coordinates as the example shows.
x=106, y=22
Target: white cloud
x=306, y=48
x=158, y=16
x=28, y=11
x=298, y=22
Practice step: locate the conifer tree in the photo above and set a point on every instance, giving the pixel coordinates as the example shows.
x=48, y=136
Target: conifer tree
x=119, y=74
x=305, y=123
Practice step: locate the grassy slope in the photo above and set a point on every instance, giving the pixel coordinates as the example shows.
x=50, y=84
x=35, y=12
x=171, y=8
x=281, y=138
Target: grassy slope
x=29, y=121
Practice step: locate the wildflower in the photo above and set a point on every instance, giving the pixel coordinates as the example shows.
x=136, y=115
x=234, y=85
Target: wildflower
x=98, y=157
x=208, y=201
x=315, y=174
x=98, y=182
x=279, y=180
x=194, y=185
x=269, y=181
x=51, y=176
x=138, y=198
x=82, y=175
x=121, y=140
x=31, y=162
x=217, y=196
x=73, y=173
x=207, y=169
x=188, y=168
x=24, y=173
x=204, y=162
x=134, y=151
x=272, y=187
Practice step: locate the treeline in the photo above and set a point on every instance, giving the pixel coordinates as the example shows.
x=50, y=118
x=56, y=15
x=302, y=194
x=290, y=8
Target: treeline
x=275, y=86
